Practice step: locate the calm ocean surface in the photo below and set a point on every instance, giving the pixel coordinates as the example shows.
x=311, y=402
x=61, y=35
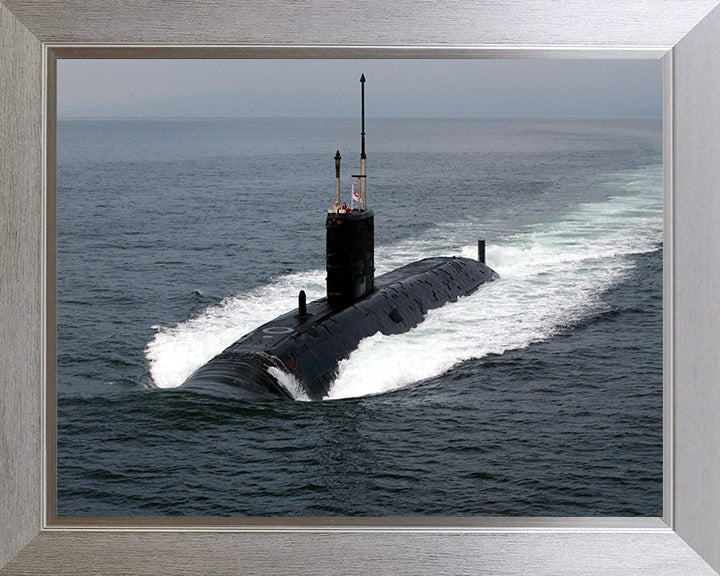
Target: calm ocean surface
x=539, y=395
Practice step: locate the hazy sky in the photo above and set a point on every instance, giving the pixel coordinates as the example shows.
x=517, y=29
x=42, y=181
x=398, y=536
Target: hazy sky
x=330, y=88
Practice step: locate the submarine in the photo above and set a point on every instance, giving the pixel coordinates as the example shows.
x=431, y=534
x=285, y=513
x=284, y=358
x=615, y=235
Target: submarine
x=300, y=350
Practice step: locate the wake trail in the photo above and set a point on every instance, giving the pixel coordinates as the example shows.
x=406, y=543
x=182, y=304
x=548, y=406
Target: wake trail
x=552, y=275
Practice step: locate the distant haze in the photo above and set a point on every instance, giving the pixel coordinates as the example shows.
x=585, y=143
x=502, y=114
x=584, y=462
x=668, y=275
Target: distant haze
x=330, y=88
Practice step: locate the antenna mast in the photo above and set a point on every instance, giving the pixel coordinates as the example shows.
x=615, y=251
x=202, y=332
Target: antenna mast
x=363, y=174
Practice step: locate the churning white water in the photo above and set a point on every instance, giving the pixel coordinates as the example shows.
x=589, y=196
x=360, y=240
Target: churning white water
x=551, y=275
x=179, y=350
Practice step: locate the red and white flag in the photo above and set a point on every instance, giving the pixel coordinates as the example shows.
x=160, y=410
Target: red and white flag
x=355, y=197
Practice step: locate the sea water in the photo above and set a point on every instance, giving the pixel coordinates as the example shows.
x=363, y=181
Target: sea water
x=538, y=395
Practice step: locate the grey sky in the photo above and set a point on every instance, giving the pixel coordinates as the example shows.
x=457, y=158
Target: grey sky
x=395, y=88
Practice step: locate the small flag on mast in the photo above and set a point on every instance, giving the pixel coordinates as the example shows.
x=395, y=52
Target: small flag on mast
x=355, y=197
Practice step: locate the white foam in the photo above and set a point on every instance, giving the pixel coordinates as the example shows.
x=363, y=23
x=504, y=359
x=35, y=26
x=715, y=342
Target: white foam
x=552, y=275
x=289, y=383
x=177, y=351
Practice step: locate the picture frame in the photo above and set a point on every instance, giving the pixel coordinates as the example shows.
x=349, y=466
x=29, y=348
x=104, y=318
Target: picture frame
x=683, y=33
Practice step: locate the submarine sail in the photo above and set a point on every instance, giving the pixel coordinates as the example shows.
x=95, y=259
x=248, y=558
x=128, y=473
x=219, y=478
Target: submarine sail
x=305, y=346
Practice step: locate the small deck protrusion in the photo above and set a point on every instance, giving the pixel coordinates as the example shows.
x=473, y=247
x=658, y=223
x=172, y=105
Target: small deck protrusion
x=481, y=250
x=302, y=303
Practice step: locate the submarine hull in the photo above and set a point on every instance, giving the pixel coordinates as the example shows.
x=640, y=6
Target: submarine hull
x=303, y=351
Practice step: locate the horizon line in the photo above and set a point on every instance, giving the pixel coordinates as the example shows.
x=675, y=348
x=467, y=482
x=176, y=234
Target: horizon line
x=176, y=118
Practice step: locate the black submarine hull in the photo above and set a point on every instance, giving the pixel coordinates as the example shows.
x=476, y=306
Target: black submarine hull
x=303, y=350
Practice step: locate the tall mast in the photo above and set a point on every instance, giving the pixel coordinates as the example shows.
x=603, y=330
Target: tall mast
x=363, y=174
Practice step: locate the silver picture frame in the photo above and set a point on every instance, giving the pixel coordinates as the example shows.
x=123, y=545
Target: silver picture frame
x=685, y=34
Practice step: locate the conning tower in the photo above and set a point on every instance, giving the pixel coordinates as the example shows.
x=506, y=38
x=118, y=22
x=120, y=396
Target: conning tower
x=350, y=233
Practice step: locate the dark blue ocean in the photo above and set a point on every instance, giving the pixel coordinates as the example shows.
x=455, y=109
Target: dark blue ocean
x=538, y=395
